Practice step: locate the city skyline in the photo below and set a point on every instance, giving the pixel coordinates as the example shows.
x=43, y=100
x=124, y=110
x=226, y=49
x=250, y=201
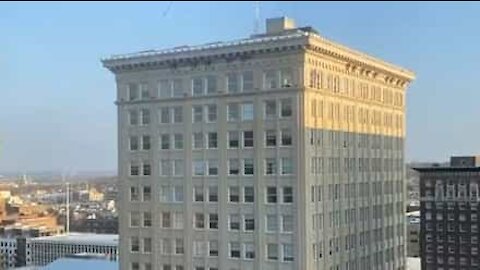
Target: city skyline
x=58, y=110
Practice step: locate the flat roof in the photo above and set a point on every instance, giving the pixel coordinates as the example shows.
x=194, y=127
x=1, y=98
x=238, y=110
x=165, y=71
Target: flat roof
x=447, y=169
x=80, y=239
x=82, y=264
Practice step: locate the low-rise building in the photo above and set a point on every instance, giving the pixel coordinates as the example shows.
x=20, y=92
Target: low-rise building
x=413, y=234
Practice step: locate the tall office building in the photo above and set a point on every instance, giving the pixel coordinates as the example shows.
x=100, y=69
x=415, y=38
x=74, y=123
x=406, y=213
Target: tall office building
x=279, y=151
x=449, y=215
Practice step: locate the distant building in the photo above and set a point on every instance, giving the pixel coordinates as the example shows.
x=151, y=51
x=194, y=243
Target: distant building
x=8, y=252
x=95, y=196
x=44, y=250
x=101, y=224
x=449, y=233
x=413, y=234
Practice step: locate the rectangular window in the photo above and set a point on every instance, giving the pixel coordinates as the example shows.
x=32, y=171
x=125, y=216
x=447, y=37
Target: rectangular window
x=198, y=86
x=271, y=79
x=212, y=113
x=234, y=194
x=248, y=138
x=234, y=250
x=233, y=139
x=248, y=167
x=213, y=221
x=166, y=220
x=212, y=140
x=178, y=141
x=286, y=108
x=147, y=194
x=178, y=194
x=198, y=194
x=146, y=142
x=165, y=167
x=286, y=137
x=213, y=194
x=270, y=109
x=145, y=116
x=179, y=247
x=177, y=88
x=198, y=140
x=133, y=91
x=212, y=167
x=287, y=223
x=165, y=141
x=270, y=138
x=213, y=248
x=133, y=143
x=211, y=84
x=271, y=195
x=272, y=223
x=287, y=252
x=199, y=167
x=134, y=244
x=135, y=266
x=144, y=91
x=166, y=246
x=133, y=117
x=164, y=116
x=177, y=114
x=249, y=251
x=232, y=83
x=197, y=114
x=134, y=194
x=270, y=166
x=147, y=169
x=147, y=219
x=247, y=111
x=287, y=166
x=247, y=81
x=286, y=77
x=178, y=220
x=199, y=221
x=147, y=245
x=248, y=194
x=249, y=223
x=234, y=222
x=164, y=89
x=134, y=219
x=272, y=252
x=233, y=111
x=134, y=169
x=233, y=167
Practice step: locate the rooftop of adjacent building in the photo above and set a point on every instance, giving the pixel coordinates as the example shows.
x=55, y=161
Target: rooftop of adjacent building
x=457, y=163
x=76, y=264
x=277, y=30
x=80, y=239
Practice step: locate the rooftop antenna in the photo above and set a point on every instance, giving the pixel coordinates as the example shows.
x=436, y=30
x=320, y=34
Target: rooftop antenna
x=257, y=18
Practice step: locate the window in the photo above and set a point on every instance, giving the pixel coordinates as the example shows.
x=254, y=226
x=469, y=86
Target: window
x=287, y=223
x=133, y=117
x=197, y=86
x=271, y=79
x=178, y=141
x=233, y=167
x=147, y=245
x=144, y=91
x=270, y=109
x=234, y=222
x=213, y=167
x=177, y=88
x=199, y=221
x=247, y=81
x=248, y=167
x=247, y=111
x=179, y=247
x=134, y=194
x=233, y=139
x=213, y=194
x=166, y=246
x=287, y=252
x=233, y=111
x=178, y=220
x=234, y=194
x=134, y=244
x=145, y=116
x=248, y=194
x=197, y=114
x=164, y=89
x=147, y=219
x=286, y=137
x=248, y=138
x=147, y=194
x=198, y=167
x=211, y=113
x=270, y=138
x=166, y=220
x=213, y=221
x=164, y=116
x=198, y=194
x=272, y=251
x=212, y=140
x=132, y=91
x=134, y=219
x=286, y=108
x=134, y=169
x=270, y=166
x=287, y=166
x=271, y=195
x=135, y=266
x=146, y=142
x=249, y=251
x=232, y=83
x=165, y=141
x=178, y=194
x=133, y=143
x=234, y=250
x=177, y=115
x=147, y=169
x=286, y=77
x=197, y=140
x=249, y=223
x=213, y=248
x=287, y=194
x=211, y=84
x=165, y=168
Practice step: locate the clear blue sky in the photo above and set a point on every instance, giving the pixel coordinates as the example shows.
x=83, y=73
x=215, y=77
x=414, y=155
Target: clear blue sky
x=57, y=106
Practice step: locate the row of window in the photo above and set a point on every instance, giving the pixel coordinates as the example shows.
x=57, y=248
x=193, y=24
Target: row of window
x=245, y=111
x=350, y=190
x=452, y=191
x=321, y=165
x=233, y=82
x=246, y=167
x=450, y=260
x=452, y=216
x=339, y=139
x=236, y=194
x=453, y=227
x=463, y=250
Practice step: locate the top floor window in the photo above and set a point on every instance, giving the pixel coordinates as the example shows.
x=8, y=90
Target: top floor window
x=271, y=79
x=133, y=91
x=287, y=77
x=197, y=86
x=164, y=89
x=232, y=83
x=247, y=81
x=211, y=84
